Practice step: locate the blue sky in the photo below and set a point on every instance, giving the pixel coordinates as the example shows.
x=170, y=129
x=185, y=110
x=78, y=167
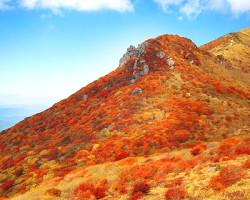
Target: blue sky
x=51, y=48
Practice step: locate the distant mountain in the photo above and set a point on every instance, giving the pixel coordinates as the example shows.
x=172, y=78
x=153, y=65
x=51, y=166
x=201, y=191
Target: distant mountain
x=171, y=122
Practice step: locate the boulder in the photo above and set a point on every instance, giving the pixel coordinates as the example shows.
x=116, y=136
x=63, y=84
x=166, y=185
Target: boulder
x=160, y=54
x=85, y=97
x=137, y=91
x=145, y=69
x=132, y=51
x=170, y=62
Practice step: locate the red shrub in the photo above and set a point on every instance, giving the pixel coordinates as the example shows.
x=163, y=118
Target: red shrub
x=175, y=194
x=18, y=172
x=198, y=149
x=227, y=146
x=243, y=150
x=227, y=177
x=54, y=192
x=61, y=172
x=136, y=196
x=175, y=183
x=142, y=187
x=6, y=185
x=22, y=189
x=122, y=155
x=247, y=164
x=182, y=135
x=85, y=190
x=100, y=190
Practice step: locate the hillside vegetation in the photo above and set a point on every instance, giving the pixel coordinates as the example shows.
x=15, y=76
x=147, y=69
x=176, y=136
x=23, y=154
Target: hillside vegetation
x=171, y=123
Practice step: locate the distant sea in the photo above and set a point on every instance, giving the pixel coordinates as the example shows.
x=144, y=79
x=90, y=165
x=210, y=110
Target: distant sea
x=10, y=115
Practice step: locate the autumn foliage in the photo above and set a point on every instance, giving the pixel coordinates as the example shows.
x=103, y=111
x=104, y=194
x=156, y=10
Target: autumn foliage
x=175, y=193
x=86, y=190
x=227, y=176
x=187, y=114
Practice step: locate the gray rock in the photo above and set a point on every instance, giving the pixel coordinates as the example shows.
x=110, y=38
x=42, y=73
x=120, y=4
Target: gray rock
x=132, y=81
x=132, y=51
x=145, y=69
x=136, y=75
x=131, y=48
x=142, y=48
x=160, y=54
x=142, y=61
x=85, y=97
x=170, y=62
x=136, y=64
x=137, y=91
x=211, y=169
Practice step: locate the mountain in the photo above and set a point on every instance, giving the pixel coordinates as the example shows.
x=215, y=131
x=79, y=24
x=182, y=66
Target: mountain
x=171, y=122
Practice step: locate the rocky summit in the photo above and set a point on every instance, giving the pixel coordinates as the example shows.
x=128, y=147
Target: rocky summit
x=170, y=123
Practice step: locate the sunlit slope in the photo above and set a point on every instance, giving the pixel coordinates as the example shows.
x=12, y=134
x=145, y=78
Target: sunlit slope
x=139, y=131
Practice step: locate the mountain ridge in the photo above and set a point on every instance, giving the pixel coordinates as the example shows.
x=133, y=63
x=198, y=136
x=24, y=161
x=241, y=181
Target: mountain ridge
x=169, y=103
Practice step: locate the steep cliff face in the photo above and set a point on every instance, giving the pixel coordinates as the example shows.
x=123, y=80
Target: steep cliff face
x=171, y=122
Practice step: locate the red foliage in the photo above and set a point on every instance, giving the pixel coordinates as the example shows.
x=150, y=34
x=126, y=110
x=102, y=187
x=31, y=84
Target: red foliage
x=6, y=185
x=227, y=177
x=175, y=183
x=19, y=172
x=247, y=164
x=54, y=192
x=122, y=155
x=61, y=172
x=182, y=135
x=142, y=187
x=136, y=196
x=100, y=190
x=243, y=150
x=175, y=193
x=198, y=149
x=33, y=167
x=227, y=146
x=85, y=190
x=22, y=189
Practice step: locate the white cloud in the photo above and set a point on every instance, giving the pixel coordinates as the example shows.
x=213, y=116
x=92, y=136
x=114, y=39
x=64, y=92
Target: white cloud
x=80, y=5
x=4, y=4
x=239, y=6
x=165, y=4
x=218, y=5
x=192, y=8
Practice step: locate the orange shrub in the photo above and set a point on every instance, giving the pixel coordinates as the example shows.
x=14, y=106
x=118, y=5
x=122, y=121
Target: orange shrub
x=247, y=164
x=182, y=135
x=198, y=149
x=227, y=146
x=85, y=190
x=228, y=176
x=175, y=193
x=136, y=196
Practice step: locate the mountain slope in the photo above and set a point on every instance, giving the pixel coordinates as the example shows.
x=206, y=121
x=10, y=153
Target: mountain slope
x=138, y=132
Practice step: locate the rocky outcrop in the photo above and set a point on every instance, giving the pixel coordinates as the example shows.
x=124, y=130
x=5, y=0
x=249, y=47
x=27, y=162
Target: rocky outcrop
x=133, y=51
